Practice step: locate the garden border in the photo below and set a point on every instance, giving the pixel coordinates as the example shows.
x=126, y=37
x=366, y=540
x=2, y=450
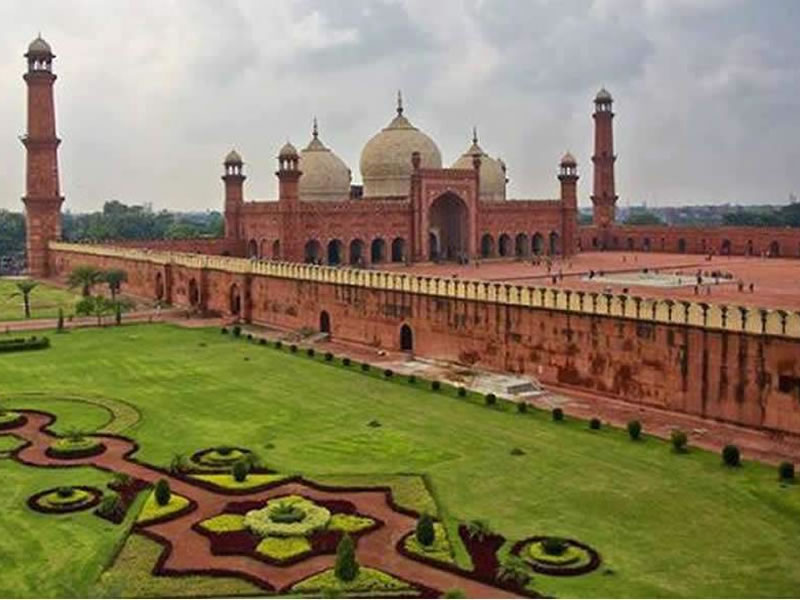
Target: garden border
x=94, y=500
x=595, y=560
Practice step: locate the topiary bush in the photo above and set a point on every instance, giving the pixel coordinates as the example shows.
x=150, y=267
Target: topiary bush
x=224, y=330
x=436, y=386
x=594, y=423
x=388, y=373
x=490, y=399
x=262, y=342
x=522, y=407
x=462, y=392
x=554, y=545
x=328, y=357
x=558, y=414
x=64, y=492
x=293, y=348
x=237, y=331
x=346, y=568
x=110, y=506
x=278, y=344
x=162, y=492
x=346, y=361
x=240, y=470
x=634, y=430
x=517, y=452
x=786, y=471
x=412, y=379
x=365, y=367
x=250, y=337
x=425, y=533
x=679, y=440
x=263, y=522
x=310, y=352
x=731, y=455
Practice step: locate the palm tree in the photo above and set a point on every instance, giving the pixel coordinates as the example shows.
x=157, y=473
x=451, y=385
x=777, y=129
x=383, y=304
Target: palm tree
x=85, y=277
x=115, y=278
x=25, y=288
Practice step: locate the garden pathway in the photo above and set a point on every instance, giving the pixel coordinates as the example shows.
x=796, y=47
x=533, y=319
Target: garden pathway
x=190, y=550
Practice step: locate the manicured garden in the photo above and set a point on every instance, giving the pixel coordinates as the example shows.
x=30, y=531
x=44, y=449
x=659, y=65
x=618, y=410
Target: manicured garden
x=666, y=522
x=45, y=300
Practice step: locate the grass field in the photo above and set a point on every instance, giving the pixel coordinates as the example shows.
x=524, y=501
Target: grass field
x=45, y=301
x=665, y=524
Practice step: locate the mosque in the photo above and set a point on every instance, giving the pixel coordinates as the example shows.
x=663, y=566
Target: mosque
x=410, y=207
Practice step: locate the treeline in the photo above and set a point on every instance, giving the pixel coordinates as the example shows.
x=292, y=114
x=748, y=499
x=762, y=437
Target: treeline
x=117, y=221
x=784, y=216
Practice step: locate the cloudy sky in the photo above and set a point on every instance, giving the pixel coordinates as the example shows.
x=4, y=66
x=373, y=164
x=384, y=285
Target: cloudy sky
x=152, y=94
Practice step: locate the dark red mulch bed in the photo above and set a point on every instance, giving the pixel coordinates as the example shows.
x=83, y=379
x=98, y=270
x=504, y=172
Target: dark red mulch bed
x=127, y=494
x=245, y=542
x=568, y=570
x=483, y=552
x=18, y=422
x=96, y=495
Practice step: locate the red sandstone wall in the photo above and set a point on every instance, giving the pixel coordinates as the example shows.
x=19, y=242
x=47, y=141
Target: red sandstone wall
x=695, y=240
x=217, y=246
x=729, y=376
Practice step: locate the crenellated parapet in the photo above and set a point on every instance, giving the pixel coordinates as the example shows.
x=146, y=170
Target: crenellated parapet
x=733, y=318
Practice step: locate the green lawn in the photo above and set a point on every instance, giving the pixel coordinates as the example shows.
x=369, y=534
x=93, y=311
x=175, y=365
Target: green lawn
x=665, y=524
x=45, y=301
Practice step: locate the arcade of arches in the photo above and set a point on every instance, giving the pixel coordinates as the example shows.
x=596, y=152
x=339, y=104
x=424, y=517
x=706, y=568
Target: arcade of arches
x=521, y=246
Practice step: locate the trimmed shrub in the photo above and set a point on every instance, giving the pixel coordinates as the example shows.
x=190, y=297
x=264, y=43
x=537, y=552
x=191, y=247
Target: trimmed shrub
x=278, y=344
x=731, y=455
x=436, y=386
x=224, y=330
x=293, y=348
x=365, y=367
x=310, y=352
x=517, y=452
x=328, y=357
x=558, y=414
x=679, y=440
x=554, y=546
x=388, y=373
x=454, y=593
x=374, y=423
x=425, y=533
x=60, y=322
x=250, y=337
x=490, y=399
x=634, y=430
x=522, y=407
x=462, y=392
x=786, y=471
x=594, y=423
x=237, y=331
x=262, y=342
x=346, y=361
x=240, y=470
x=162, y=492
x=346, y=568
x=19, y=344
x=412, y=379
x=64, y=492
x=110, y=506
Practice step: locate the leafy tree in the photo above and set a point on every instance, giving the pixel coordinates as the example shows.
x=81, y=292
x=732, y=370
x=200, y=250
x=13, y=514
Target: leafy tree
x=95, y=306
x=514, y=569
x=478, y=529
x=115, y=278
x=643, y=217
x=60, y=323
x=24, y=289
x=634, y=429
x=12, y=233
x=346, y=568
x=84, y=277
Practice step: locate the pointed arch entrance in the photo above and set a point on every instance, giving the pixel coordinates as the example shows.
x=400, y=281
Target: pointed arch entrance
x=324, y=322
x=406, y=339
x=448, y=222
x=235, y=300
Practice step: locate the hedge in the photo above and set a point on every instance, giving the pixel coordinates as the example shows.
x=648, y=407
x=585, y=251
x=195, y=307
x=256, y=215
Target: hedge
x=21, y=344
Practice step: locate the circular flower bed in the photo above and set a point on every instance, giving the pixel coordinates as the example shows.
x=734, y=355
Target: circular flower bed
x=557, y=556
x=73, y=447
x=220, y=457
x=287, y=516
x=11, y=420
x=65, y=499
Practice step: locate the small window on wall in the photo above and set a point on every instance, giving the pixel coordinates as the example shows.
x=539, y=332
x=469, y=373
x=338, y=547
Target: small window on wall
x=789, y=384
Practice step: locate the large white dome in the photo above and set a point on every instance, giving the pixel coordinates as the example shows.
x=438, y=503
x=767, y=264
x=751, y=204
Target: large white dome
x=492, y=172
x=325, y=176
x=386, y=158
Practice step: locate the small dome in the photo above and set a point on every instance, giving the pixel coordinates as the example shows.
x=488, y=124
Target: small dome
x=492, y=186
x=288, y=151
x=233, y=158
x=568, y=160
x=39, y=46
x=603, y=96
x=386, y=158
x=325, y=175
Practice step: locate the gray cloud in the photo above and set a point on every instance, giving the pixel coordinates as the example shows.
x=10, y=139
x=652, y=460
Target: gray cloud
x=151, y=95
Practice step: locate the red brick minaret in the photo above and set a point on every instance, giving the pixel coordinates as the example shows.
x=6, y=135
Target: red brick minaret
x=568, y=176
x=604, y=198
x=288, y=174
x=234, y=194
x=42, y=196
